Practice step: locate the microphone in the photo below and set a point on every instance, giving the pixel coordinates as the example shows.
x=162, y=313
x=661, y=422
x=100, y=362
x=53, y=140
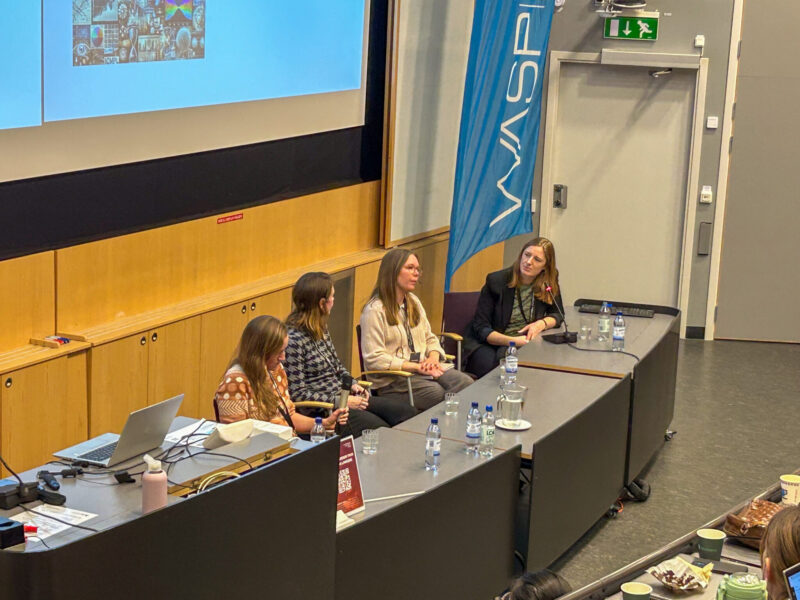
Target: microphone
x=344, y=395
x=566, y=337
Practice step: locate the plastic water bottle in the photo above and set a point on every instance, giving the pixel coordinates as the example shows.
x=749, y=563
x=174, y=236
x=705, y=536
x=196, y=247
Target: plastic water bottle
x=618, y=339
x=433, y=445
x=317, y=431
x=487, y=433
x=604, y=323
x=473, y=429
x=512, y=363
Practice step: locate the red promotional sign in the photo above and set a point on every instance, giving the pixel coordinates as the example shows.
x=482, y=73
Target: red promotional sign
x=351, y=499
x=229, y=218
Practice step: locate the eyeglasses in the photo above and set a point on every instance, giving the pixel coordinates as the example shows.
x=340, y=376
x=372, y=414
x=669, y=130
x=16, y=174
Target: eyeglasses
x=413, y=269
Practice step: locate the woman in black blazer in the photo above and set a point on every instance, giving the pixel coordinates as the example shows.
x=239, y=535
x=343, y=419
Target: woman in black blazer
x=514, y=306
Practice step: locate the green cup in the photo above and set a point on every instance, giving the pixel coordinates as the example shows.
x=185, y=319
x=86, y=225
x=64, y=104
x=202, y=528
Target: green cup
x=635, y=590
x=710, y=544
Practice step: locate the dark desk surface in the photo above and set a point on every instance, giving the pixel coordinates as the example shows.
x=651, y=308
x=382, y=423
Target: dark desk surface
x=641, y=336
x=399, y=468
x=554, y=398
x=115, y=504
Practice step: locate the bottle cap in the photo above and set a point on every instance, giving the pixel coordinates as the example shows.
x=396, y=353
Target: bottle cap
x=488, y=408
x=434, y=421
x=619, y=312
x=153, y=465
x=474, y=405
x=511, y=344
x=318, y=420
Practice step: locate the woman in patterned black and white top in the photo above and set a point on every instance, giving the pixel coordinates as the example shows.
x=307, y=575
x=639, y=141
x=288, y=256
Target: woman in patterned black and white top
x=314, y=370
x=255, y=385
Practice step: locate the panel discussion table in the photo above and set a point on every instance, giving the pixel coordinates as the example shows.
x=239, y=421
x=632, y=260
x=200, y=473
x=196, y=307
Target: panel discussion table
x=597, y=419
x=272, y=531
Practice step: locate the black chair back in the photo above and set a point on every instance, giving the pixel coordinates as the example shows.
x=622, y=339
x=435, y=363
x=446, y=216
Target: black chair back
x=457, y=313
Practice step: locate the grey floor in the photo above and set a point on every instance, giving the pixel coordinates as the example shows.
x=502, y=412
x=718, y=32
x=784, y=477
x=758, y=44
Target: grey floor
x=737, y=414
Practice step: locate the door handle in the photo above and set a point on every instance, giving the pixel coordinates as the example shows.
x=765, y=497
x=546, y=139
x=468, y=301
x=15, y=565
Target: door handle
x=559, y=196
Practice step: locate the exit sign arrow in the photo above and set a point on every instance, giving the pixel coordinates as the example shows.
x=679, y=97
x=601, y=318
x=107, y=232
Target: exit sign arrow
x=631, y=28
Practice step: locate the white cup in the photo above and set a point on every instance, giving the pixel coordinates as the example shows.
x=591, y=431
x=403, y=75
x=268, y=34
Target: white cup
x=790, y=489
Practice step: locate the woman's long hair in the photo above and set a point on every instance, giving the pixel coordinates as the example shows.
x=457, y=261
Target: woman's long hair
x=262, y=338
x=306, y=313
x=541, y=585
x=781, y=545
x=549, y=274
x=384, y=290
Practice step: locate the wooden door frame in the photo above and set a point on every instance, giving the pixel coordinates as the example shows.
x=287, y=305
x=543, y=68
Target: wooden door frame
x=634, y=59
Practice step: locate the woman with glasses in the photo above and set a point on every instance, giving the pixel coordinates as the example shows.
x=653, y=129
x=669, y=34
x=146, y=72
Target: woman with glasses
x=515, y=305
x=315, y=372
x=396, y=335
x=255, y=385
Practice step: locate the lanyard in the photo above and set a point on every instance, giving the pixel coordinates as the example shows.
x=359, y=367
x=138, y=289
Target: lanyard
x=282, y=405
x=408, y=329
x=529, y=318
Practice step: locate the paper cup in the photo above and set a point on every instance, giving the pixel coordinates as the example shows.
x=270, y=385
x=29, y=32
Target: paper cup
x=710, y=544
x=635, y=590
x=790, y=489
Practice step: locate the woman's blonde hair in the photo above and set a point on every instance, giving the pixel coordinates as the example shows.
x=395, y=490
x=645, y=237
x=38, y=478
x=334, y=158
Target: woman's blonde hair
x=384, y=290
x=549, y=274
x=306, y=311
x=781, y=545
x=261, y=339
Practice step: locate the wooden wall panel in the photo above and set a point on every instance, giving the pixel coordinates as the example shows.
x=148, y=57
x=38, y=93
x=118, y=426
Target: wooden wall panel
x=173, y=361
x=364, y=281
x=472, y=274
x=106, y=280
x=117, y=382
x=27, y=299
x=43, y=411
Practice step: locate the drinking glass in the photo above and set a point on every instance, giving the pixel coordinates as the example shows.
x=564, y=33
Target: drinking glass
x=369, y=441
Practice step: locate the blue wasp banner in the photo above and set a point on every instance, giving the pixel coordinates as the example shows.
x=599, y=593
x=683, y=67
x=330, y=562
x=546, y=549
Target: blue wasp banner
x=499, y=126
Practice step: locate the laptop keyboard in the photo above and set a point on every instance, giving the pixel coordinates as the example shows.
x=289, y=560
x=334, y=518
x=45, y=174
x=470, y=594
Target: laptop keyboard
x=101, y=454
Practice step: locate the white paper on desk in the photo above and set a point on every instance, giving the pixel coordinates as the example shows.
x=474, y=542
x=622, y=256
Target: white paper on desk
x=47, y=527
x=282, y=431
x=200, y=431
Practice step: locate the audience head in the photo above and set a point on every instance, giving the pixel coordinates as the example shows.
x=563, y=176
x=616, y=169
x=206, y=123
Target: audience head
x=780, y=549
x=541, y=585
x=398, y=274
x=536, y=264
x=262, y=347
x=312, y=301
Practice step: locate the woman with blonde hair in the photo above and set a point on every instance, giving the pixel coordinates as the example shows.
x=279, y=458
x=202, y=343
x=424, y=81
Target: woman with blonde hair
x=314, y=369
x=780, y=549
x=515, y=305
x=255, y=385
x=396, y=335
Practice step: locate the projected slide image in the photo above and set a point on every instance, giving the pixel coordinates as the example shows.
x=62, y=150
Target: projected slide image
x=108, y=32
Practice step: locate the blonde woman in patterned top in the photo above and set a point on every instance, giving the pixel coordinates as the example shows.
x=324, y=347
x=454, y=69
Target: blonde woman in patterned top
x=255, y=385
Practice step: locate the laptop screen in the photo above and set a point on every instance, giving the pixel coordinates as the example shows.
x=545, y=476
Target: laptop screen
x=792, y=575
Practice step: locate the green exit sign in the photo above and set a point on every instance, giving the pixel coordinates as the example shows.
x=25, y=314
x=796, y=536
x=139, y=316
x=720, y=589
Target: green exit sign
x=631, y=28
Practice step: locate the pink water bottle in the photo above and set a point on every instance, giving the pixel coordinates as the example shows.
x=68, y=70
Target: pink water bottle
x=154, y=486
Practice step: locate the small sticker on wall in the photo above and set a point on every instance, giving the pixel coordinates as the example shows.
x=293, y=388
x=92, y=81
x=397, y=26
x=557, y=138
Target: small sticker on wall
x=230, y=218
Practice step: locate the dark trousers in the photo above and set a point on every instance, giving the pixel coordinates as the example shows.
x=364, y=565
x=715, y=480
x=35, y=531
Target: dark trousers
x=485, y=358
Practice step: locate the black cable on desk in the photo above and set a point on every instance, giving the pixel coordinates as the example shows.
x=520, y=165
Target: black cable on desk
x=59, y=520
x=10, y=470
x=41, y=541
x=631, y=354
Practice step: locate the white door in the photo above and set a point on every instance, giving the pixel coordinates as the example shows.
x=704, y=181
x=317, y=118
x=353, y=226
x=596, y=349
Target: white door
x=621, y=147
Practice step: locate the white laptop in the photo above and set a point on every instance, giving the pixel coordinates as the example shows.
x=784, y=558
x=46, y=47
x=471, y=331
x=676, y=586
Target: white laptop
x=144, y=430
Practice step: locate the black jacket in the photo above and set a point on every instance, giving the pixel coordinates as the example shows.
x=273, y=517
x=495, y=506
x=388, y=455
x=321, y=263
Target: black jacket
x=494, y=310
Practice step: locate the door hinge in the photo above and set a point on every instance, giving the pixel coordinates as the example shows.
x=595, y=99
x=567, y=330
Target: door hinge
x=716, y=312
x=730, y=146
x=739, y=50
x=733, y=112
